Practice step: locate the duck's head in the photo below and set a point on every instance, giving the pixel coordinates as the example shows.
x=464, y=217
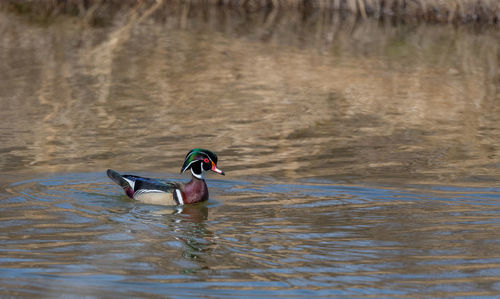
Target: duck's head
x=199, y=161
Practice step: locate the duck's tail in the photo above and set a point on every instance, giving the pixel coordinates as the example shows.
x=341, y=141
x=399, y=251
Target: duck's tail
x=127, y=185
x=118, y=178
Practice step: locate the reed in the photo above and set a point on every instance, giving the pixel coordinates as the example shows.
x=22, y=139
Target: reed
x=438, y=11
x=463, y=11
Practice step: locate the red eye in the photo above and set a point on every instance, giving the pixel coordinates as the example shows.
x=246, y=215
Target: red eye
x=205, y=160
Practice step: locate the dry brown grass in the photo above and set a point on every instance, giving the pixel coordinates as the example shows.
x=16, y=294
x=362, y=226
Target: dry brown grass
x=439, y=11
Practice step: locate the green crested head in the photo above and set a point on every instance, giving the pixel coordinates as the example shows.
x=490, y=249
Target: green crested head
x=200, y=160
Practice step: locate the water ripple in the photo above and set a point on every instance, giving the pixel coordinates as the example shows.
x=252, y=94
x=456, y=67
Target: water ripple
x=313, y=239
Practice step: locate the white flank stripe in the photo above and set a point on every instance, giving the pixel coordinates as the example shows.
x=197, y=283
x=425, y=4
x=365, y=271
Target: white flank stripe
x=179, y=196
x=130, y=182
x=149, y=191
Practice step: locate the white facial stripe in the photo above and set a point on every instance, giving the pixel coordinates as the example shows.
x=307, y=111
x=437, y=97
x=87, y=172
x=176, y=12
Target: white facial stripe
x=189, y=165
x=199, y=160
x=179, y=196
x=130, y=182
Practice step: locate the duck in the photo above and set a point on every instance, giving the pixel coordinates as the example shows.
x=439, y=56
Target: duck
x=162, y=192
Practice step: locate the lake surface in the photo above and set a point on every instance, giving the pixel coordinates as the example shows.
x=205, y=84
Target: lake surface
x=361, y=157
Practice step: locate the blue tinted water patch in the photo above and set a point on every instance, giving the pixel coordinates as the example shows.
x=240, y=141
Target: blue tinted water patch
x=15, y=222
x=27, y=182
x=17, y=260
x=454, y=193
x=317, y=181
x=226, y=184
x=70, y=217
x=458, y=189
x=74, y=178
x=314, y=204
x=359, y=194
x=332, y=191
x=31, y=195
x=64, y=205
x=20, y=272
x=168, y=277
x=459, y=261
x=116, y=237
x=13, y=199
x=88, y=211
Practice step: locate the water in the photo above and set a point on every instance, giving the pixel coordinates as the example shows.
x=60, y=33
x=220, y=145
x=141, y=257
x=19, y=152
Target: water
x=74, y=234
x=361, y=158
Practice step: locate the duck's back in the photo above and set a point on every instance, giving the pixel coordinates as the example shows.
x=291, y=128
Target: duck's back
x=147, y=190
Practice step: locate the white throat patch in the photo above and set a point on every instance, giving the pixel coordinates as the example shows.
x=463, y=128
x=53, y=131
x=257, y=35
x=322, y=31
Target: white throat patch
x=199, y=176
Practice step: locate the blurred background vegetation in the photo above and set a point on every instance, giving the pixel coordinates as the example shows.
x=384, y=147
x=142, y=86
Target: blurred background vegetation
x=440, y=11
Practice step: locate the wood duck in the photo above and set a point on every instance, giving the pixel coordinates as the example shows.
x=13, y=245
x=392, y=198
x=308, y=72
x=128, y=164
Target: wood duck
x=156, y=191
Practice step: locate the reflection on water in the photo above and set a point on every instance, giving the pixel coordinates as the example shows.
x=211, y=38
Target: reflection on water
x=362, y=157
x=341, y=99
